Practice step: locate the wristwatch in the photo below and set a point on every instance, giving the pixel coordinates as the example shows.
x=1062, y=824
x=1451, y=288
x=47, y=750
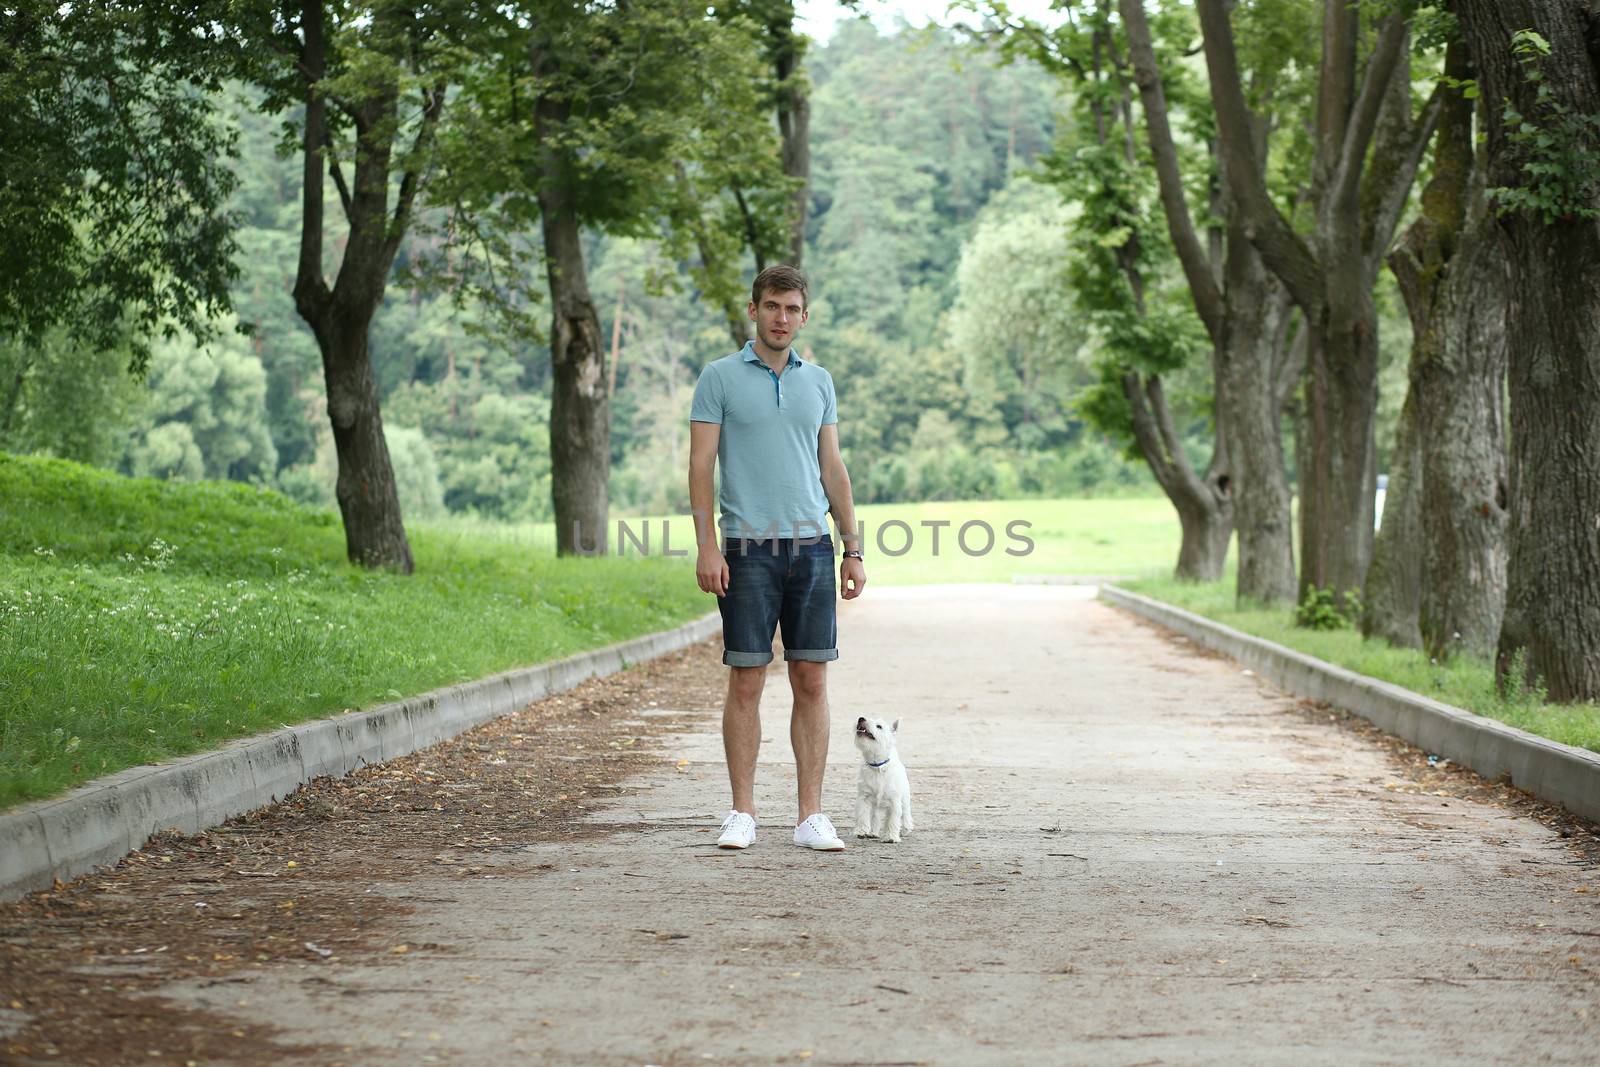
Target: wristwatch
x=850, y=553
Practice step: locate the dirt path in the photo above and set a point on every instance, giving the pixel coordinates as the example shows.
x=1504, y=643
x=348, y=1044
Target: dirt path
x=1128, y=852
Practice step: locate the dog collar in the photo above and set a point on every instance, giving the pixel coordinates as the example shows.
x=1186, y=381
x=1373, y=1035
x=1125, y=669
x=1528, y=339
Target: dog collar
x=879, y=764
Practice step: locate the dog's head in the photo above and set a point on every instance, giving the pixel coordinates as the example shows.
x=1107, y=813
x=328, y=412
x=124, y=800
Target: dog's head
x=875, y=738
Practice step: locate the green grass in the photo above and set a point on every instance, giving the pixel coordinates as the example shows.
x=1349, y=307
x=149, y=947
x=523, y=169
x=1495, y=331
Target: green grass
x=141, y=620
x=1093, y=537
x=1084, y=537
x=1463, y=681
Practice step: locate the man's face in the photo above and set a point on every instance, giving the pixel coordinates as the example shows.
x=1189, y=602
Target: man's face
x=778, y=318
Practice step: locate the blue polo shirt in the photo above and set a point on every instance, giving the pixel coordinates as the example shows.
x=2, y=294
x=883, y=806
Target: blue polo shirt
x=771, y=477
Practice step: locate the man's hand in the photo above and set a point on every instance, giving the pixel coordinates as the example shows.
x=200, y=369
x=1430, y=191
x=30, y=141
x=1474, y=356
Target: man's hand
x=711, y=571
x=852, y=577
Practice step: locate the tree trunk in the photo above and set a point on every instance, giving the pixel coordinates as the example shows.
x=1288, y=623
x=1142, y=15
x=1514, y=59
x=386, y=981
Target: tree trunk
x=340, y=317
x=1463, y=369
x=1207, y=525
x=580, y=409
x=1552, y=609
x=1452, y=275
x=1204, y=503
x=1552, y=614
x=1393, y=593
x=14, y=395
x=369, y=500
x=1244, y=317
x=1337, y=487
x=1250, y=406
x=794, y=121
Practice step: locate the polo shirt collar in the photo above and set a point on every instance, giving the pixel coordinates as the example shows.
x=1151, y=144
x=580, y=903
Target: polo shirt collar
x=749, y=353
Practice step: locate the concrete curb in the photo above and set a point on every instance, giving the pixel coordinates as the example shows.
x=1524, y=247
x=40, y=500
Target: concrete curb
x=98, y=823
x=1560, y=774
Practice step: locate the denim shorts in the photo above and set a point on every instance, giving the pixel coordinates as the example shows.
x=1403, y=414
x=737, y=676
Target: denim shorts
x=773, y=584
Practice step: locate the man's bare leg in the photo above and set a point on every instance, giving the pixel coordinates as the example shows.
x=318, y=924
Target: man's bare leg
x=808, y=731
x=741, y=733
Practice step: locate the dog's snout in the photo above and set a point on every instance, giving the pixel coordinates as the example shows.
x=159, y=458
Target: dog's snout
x=861, y=720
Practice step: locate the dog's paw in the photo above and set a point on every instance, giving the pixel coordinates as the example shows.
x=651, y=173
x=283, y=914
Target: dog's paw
x=865, y=833
x=893, y=839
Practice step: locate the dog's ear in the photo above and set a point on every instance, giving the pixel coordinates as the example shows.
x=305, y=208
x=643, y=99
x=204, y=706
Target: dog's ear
x=895, y=728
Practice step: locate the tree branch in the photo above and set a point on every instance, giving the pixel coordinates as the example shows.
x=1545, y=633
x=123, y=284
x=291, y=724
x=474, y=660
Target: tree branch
x=1291, y=361
x=1281, y=248
x=1394, y=170
x=1146, y=435
x=337, y=172
x=1341, y=28
x=1180, y=224
x=1169, y=432
x=433, y=104
x=750, y=232
x=310, y=288
x=1364, y=119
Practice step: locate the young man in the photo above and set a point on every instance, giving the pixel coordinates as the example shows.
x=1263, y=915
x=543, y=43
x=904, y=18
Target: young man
x=771, y=421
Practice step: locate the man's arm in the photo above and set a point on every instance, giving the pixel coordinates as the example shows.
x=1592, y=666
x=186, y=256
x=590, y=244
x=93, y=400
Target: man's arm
x=842, y=505
x=710, y=569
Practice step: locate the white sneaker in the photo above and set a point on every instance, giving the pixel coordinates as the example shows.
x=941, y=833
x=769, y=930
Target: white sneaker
x=738, y=831
x=817, y=832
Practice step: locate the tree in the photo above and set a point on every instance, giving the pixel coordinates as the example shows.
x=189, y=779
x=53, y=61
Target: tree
x=596, y=108
x=1119, y=278
x=385, y=70
x=1438, y=570
x=1538, y=71
x=1245, y=311
x=113, y=175
x=1366, y=147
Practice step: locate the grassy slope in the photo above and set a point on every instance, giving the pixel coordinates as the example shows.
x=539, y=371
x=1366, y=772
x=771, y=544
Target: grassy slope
x=1462, y=681
x=141, y=620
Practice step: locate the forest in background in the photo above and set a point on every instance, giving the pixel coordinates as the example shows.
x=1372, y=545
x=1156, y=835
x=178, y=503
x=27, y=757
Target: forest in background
x=941, y=302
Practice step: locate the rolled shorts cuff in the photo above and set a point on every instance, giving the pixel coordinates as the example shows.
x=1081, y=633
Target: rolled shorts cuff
x=746, y=659
x=810, y=655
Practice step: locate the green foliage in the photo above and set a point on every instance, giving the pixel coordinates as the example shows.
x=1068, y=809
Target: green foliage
x=629, y=118
x=1323, y=609
x=203, y=414
x=937, y=271
x=1122, y=273
x=62, y=397
x=115, y=173
x=1556, y=148
x=142, y=620
x=1014, y=321
x=1515, y=685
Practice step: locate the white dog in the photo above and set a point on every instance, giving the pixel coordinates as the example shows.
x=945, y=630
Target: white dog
x=883, y=796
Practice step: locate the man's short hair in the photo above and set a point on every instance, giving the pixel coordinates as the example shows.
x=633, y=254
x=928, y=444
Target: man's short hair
x=779, y=278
